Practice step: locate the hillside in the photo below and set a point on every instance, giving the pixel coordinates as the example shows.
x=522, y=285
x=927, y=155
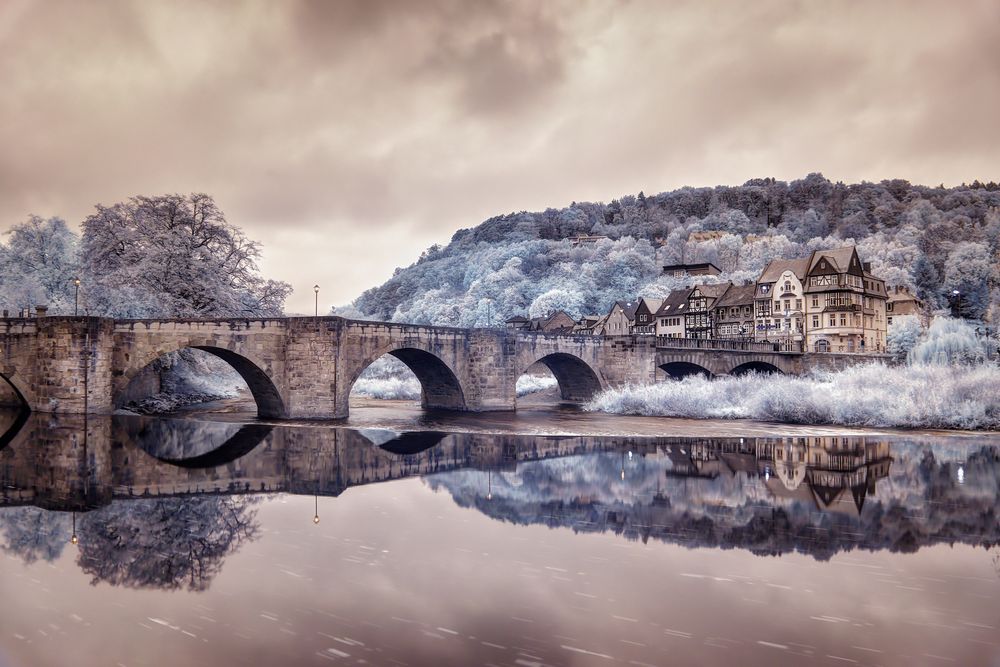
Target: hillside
x=932, y=239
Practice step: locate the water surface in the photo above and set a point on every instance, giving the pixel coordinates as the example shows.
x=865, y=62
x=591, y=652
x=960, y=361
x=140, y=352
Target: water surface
x=221, y=542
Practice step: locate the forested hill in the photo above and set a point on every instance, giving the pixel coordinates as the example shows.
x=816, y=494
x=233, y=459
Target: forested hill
x=932, y=239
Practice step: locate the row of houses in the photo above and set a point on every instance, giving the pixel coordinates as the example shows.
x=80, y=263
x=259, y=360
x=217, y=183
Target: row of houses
x=826, y=302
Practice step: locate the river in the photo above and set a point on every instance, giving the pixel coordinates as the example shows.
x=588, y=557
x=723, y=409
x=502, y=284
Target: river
x=549, y=537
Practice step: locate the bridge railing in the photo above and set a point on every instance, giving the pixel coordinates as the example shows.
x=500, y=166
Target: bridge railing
x=729, y=344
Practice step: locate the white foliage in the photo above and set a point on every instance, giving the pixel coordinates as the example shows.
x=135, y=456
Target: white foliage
x=532, y=384
x=948, y=341
x=903, y=335
x=566, y=299
x=407, y=389
x=871, y=395
x=387, y=378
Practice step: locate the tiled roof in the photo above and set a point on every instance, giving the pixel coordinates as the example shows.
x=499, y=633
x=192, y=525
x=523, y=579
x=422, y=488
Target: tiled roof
x=675, y=302
x=737, y=295
x=715, y=290
x=839, y=257
x=774, y=269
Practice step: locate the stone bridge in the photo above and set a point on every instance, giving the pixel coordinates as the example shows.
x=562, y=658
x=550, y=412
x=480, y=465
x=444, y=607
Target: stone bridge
x=81, y=462
x=304, y=367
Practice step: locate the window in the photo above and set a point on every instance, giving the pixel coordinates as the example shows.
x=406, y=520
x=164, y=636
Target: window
x=788, y=285
x=798, y=304
x=816, y=321
x=815, y=302
x=788, y=304
x=833, y=320
x=843, y=320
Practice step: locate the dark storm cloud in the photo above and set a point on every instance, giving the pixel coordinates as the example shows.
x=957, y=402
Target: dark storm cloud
x=348, y=135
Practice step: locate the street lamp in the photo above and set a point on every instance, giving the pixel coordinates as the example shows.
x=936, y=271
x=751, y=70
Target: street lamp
x=958, y=295
x=316, y=510
x=76, y=297
x=316, y=290
x=74, y=539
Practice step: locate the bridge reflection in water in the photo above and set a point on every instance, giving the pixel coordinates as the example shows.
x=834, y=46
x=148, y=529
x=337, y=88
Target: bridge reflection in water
x=161, y=502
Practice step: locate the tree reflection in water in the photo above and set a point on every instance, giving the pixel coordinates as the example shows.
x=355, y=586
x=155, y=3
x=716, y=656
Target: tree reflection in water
x=32, y=534
x=167, y=543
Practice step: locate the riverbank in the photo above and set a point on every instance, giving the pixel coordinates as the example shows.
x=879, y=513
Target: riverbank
x=873, y=396
x=544, y=414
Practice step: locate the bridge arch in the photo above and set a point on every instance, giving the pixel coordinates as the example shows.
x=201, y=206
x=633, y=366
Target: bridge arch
x=440, y=387
x=578, y=381
x=236, y=446
x=270, y=404
x=20, y=392
x=678, y=370
x=763, y=367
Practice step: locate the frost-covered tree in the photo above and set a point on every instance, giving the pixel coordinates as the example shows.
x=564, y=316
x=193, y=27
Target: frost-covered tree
x=949, y=342
x=968, y=271
x=926, y=281
x=902, y=336
x=567, y=299
x=37, y=266
x=173, y=255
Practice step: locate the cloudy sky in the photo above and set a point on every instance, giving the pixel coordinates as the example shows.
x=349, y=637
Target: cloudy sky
x=349, y=135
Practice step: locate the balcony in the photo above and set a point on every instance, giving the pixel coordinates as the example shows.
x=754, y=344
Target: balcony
x=842, y=308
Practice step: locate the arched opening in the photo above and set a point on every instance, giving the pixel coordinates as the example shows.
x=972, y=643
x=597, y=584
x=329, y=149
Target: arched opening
x=187, y=443
x=537, y=386
x=822, y=345
x=12, y=420
x=756, y=367
x=197, y=375
x=577, y=381
x=413, y=442
x=678, y=370
x=14, y=411
x=408, y=374
x=10, y=396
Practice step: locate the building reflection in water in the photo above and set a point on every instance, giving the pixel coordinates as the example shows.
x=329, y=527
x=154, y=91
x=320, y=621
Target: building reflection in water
x=836, y=473
x=154, y=502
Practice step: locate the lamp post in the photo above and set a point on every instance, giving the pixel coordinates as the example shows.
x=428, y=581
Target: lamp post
x=76, y=297
x=74, y=539
x=316, y=509
x=316, y=291
x=958, y=296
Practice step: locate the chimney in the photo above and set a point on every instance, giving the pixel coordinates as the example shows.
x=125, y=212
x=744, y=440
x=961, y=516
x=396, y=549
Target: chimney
x=41, y=311
x=867, y=266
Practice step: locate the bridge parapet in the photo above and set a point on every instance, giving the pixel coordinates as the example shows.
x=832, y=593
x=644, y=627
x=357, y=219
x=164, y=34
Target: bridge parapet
x=781, y=347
